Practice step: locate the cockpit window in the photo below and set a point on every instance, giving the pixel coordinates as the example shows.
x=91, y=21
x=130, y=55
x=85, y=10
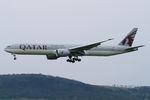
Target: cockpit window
x=8, y=46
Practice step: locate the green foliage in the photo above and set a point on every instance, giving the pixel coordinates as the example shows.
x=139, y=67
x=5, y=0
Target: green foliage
x=35, y=86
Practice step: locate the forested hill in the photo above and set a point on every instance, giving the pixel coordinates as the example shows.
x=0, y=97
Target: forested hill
x=37, y=86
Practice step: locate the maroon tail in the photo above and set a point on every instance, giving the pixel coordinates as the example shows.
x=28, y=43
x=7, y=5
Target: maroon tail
x=128, y=40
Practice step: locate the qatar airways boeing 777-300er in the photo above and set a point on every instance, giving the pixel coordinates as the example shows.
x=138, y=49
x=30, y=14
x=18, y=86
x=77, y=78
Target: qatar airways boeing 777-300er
x=53, y=51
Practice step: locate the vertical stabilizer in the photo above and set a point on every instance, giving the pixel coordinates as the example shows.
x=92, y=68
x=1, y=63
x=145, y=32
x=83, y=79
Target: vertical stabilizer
x=128, y=40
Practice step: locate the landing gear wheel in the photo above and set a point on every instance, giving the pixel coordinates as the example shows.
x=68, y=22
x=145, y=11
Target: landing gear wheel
x=73, y=60
x=70, y=60
x=79, y=60
x=15, y=58
x=76, y=59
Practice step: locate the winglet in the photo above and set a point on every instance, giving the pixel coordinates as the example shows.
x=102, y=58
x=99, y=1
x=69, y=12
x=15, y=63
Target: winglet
x=111, y=39
x=106, y=40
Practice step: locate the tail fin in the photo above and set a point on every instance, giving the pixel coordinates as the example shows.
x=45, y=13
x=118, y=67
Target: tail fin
x=128, y=40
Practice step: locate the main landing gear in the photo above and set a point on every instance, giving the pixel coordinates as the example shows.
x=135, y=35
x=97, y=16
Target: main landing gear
x=73, y=60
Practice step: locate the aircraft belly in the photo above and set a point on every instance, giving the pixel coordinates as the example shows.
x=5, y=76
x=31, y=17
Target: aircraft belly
x=102, y=53
x=33, y=52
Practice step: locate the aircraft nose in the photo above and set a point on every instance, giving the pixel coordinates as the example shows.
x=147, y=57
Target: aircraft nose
x=6, y=49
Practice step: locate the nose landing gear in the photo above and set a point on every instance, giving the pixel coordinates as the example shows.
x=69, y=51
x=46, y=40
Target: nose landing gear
x=73, y=60
x=15, y=58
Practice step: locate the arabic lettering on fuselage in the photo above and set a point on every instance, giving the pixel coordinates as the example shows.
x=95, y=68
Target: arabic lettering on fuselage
x=33, y=47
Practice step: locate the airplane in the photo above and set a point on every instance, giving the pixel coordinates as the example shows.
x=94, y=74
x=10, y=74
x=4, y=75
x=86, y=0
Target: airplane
x=53, y=51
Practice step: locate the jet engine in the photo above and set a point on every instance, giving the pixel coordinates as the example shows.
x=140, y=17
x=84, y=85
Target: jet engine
x=51, y=57
x=58, y=53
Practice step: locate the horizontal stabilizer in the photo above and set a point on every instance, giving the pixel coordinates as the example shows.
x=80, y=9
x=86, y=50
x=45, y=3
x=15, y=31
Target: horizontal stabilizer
x=134, y=48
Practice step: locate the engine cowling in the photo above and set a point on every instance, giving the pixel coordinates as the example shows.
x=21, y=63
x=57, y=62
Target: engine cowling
x=52, y=57
x=62, y=52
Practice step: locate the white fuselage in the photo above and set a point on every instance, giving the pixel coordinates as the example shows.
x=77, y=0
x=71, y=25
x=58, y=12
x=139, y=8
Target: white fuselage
x=53, y=52
x=47, y=49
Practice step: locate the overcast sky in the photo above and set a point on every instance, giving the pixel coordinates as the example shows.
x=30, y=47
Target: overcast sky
x=77, y=22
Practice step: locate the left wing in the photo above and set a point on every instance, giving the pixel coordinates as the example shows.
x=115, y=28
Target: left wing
x=86, y=47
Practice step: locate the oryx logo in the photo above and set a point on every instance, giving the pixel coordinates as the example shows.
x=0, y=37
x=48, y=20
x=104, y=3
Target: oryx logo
x=129, y=39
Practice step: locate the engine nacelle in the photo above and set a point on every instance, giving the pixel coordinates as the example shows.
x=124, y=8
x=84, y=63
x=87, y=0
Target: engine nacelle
x=62, y=52
x=52, y=57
